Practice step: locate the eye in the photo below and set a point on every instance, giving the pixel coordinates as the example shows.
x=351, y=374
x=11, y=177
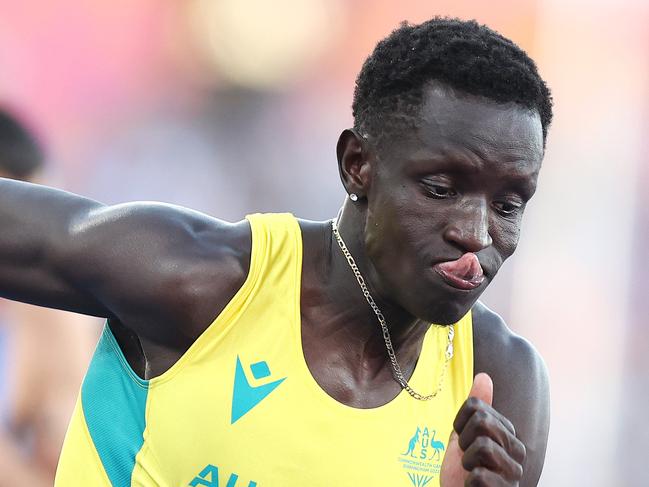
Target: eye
x=507, y=208
x=440, y=191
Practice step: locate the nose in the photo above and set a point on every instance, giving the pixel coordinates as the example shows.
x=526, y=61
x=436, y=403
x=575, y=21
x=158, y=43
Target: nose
x=469, y=228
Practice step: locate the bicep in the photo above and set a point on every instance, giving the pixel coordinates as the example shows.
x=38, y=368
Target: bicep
x=148, y=264
x=136, y=262
x=127, y=256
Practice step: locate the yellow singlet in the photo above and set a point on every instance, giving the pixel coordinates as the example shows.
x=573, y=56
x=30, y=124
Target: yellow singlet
x=241, y=409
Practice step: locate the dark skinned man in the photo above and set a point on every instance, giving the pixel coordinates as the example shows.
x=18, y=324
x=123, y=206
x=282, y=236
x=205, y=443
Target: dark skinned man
x=281, y=352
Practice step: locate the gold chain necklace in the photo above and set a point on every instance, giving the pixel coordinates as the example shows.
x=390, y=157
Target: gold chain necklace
x=396, y=369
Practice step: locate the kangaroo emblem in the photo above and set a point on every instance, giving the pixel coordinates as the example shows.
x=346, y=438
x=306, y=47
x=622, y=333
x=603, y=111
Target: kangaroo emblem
x=413, y=443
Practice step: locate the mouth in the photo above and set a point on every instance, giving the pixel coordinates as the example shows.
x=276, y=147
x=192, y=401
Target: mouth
x=464, y=273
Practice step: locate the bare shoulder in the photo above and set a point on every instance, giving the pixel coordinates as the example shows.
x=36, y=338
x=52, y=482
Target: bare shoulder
x=499, y=351
x=158, y=264
x=150, y=218
x=521, y=385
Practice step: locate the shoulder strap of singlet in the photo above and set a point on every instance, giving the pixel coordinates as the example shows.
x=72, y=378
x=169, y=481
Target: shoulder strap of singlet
x=276, y=242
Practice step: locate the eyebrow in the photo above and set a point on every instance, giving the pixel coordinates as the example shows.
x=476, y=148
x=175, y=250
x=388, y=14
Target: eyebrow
x=522, y=185
x=447, y=162
x=462, y=165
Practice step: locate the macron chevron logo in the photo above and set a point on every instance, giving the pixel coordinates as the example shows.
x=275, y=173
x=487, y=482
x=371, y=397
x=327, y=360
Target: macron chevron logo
x=246, y=396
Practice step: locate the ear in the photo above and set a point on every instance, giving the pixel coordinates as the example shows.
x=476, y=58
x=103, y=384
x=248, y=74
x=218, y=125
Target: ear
x=353, y=162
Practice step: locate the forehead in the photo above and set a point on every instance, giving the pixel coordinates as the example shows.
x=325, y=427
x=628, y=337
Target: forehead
x=471, y=127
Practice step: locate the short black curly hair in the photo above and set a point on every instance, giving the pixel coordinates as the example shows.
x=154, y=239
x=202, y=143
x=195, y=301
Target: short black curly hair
x=464, y=55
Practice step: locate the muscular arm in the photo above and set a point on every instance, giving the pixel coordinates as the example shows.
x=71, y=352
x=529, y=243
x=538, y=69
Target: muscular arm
x=35, y=230
x=521, y=389
x=150, y=266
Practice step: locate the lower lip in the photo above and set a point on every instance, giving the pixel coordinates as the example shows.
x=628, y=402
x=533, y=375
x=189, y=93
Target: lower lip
x=459, y=283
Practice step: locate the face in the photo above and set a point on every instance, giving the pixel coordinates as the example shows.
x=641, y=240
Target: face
x=456, y=186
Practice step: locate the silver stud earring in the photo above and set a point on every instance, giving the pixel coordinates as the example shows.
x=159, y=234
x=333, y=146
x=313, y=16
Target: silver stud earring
x=353, y=197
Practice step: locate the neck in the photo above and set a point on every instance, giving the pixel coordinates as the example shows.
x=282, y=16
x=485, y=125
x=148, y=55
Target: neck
x=354, y=318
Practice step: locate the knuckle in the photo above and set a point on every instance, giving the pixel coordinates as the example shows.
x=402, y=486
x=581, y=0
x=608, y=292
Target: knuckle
x=516, y=449
x=482, y=452
x=486, y=452
x=473, y=403
x=477, y=478
x=510, y=425
x=481, y=420
x=518, y=472
x=512, y=444
x=483, y=443
x=484, y=422
x=482, y=417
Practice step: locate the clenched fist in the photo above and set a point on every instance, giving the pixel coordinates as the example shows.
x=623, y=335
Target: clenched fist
x=483, y=449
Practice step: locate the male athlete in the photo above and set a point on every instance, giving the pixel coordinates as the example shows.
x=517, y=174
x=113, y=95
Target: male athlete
x=281, y=352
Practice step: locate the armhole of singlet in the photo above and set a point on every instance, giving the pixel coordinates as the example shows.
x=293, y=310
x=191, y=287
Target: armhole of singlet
x=235, y=307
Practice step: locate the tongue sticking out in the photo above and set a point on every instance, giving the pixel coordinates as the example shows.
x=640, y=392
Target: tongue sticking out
x=463, y=273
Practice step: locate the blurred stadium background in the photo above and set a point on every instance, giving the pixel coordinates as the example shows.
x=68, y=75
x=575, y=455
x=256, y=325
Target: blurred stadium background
x=234, y=106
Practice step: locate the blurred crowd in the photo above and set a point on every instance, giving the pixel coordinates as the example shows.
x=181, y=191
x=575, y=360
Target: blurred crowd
x=234, y=106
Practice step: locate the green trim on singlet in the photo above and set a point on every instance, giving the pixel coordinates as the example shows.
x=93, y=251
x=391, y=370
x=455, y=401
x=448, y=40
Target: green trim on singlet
x=114, y=401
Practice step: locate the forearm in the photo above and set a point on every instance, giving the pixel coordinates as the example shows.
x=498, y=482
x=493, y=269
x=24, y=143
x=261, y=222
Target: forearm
x=35, y=230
